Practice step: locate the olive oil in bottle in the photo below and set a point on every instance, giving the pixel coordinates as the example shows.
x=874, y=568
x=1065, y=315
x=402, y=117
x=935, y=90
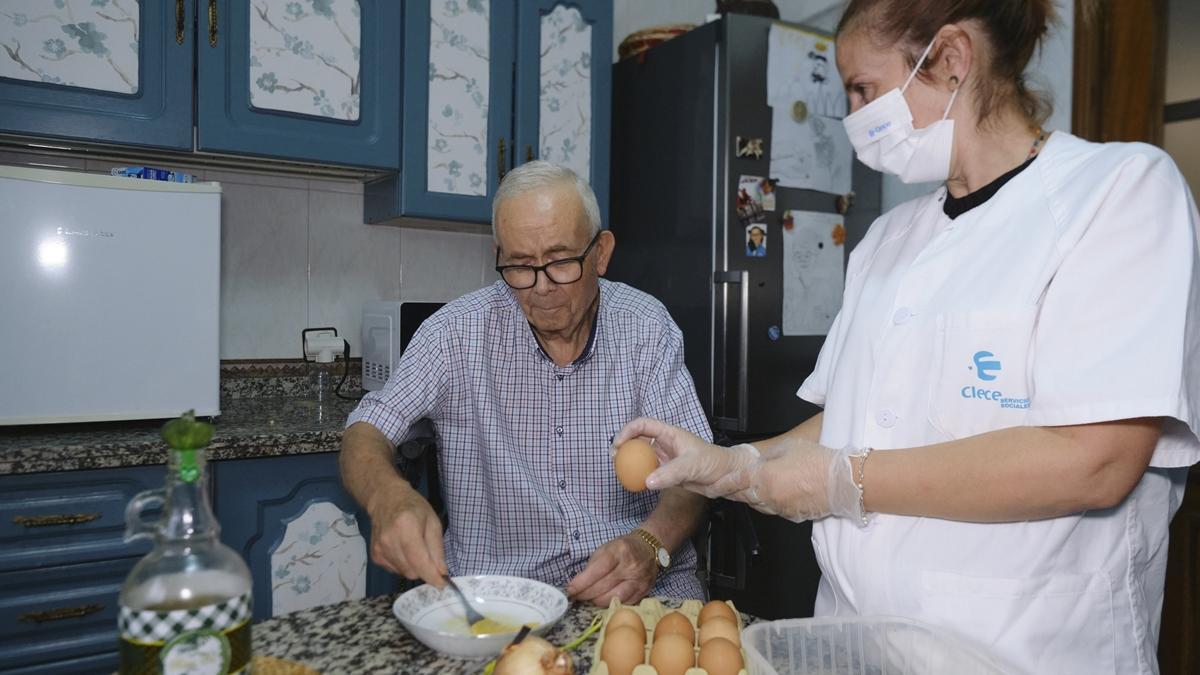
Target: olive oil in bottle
x=186, y=606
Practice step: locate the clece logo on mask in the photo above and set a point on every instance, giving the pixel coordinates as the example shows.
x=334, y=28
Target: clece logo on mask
x=875, y=131
x=987, y=368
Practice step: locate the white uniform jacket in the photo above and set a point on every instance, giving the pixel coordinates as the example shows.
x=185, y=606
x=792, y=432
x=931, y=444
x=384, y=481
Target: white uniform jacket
x=1071, y=296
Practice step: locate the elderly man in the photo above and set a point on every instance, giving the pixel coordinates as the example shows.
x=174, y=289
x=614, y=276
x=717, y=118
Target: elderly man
x=527, y=381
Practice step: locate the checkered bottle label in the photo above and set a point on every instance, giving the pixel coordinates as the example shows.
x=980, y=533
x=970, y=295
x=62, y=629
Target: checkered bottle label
x=215, y=638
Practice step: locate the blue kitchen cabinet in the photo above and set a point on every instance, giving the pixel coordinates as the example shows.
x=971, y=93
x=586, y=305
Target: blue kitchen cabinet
x=314, y=81
x=564, y=87
x=304, y=537
x=52, y=614
x=59, y=518
x=458, y=88
x=482, y=96
x=119, y=72
x=62, y=562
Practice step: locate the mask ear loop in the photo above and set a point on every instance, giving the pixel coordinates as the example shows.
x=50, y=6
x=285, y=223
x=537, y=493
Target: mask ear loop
x=920, y=62
x=953, y=95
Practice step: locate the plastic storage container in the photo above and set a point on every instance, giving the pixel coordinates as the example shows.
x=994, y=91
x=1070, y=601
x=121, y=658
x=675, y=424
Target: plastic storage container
x=872, y=645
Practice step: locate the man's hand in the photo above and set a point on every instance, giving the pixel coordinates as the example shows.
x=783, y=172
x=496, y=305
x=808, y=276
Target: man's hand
x=624, y=568
x=406, y=536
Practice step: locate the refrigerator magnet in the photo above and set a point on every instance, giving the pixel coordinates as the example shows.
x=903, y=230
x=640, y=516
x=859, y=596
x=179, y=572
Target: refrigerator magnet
x=748, y=147
x=750, y=199
x=756, y=240
x=768, y=194
x=773, y=333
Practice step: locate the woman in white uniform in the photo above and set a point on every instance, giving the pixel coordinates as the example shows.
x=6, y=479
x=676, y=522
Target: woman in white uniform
x=1010, y=391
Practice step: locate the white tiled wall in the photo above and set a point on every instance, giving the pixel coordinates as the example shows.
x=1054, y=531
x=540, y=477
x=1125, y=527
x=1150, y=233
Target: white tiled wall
x=295, y=253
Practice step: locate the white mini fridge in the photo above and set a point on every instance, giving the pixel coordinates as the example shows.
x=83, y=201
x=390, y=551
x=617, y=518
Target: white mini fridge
x=109, y=295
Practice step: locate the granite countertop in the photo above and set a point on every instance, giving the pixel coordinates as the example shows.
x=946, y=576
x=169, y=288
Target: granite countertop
x=247, y=427
x=362, y=636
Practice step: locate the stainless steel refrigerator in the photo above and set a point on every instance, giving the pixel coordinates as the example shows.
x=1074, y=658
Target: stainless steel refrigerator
x=679, y=111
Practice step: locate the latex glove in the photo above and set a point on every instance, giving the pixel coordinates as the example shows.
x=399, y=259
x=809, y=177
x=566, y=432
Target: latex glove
x=805, y=482
x=690, y=462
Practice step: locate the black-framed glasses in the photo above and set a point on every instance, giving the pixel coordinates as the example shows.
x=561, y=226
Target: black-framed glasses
x=565, y=271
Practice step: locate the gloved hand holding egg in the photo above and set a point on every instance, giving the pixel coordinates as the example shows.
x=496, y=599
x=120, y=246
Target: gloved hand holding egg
x=805, y=482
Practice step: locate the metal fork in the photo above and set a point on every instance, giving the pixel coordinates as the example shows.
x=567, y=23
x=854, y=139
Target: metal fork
x=473, y=615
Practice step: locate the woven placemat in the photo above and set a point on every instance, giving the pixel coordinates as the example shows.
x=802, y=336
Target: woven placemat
x=271, y=665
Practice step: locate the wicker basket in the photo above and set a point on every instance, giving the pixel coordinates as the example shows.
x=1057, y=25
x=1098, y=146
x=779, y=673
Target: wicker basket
x=646, y=38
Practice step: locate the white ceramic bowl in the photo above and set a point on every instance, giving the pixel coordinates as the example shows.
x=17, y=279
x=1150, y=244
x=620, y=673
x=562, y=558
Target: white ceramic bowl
x=437, y=619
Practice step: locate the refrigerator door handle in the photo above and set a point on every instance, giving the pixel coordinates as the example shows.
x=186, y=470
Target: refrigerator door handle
x=725, y=422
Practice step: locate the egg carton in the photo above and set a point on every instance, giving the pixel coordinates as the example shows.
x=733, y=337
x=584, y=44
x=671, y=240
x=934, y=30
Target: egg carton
x=651, y=610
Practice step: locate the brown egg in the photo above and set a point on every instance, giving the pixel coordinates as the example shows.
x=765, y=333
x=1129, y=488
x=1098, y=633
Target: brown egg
x=718, y=627
x=674, y=623
x=623, y=648
x=635, y=461
x=720, y=657
x=716, y=608
x=626, y=617
x=672, y=654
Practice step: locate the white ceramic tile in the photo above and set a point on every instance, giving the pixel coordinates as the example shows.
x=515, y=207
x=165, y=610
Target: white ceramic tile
x=349, y=263
x=248, y=178
x=440, y=266
x=34, y=160
x=354, y=187
x=489, y=260
x=264, y=281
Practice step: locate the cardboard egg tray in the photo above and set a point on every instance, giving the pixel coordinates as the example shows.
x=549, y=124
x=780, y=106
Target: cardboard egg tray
x=651, y=610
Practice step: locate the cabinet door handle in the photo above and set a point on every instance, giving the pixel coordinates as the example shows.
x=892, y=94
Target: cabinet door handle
x=179, y=21
x=60, y=614
x=56, y=519
x=212, y=23
x=500, y=161
x=529, y=153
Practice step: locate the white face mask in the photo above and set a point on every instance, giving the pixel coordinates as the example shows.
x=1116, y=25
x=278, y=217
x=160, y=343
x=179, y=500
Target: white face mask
x=883, y=136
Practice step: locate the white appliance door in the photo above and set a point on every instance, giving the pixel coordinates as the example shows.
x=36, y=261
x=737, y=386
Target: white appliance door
x=110, y=302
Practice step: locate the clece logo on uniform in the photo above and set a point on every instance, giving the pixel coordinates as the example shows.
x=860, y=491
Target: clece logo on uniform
x=987, y=368
x=984, y=367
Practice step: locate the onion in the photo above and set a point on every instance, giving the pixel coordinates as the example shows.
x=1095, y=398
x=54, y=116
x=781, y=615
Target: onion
x=534, y=656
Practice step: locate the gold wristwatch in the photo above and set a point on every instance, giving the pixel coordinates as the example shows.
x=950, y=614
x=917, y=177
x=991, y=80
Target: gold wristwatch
x=661, y=555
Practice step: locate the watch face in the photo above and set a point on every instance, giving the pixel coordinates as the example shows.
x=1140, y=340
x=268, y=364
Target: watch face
x=664, y=558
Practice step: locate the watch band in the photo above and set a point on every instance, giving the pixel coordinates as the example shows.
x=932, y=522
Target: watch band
x=662, y=557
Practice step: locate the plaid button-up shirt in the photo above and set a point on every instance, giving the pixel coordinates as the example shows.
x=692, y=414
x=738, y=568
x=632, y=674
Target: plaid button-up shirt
x=523, y=444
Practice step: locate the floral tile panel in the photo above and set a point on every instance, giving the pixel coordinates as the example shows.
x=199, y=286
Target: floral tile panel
x=304, y=57
x=321, y=559
x=91, y=44
x=565, y=105
x=459, y=69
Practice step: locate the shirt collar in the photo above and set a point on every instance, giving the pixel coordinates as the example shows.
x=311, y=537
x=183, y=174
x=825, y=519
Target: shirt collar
x=588, y=350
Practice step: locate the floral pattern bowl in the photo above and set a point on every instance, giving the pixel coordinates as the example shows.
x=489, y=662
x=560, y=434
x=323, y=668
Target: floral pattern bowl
x=436, y=617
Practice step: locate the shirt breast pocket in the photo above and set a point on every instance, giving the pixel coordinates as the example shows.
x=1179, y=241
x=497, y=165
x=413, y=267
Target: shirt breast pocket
x=1061, y=624
x=982, y=380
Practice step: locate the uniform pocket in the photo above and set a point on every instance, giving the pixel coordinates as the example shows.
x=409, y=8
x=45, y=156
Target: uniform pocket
x=982, y=381
x=829, y=601
x=1059, y=623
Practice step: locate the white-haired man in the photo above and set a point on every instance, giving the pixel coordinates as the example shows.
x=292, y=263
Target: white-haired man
x=527, y=381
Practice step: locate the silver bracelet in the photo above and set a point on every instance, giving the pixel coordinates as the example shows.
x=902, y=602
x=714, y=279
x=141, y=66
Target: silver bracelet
x=864, y=517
